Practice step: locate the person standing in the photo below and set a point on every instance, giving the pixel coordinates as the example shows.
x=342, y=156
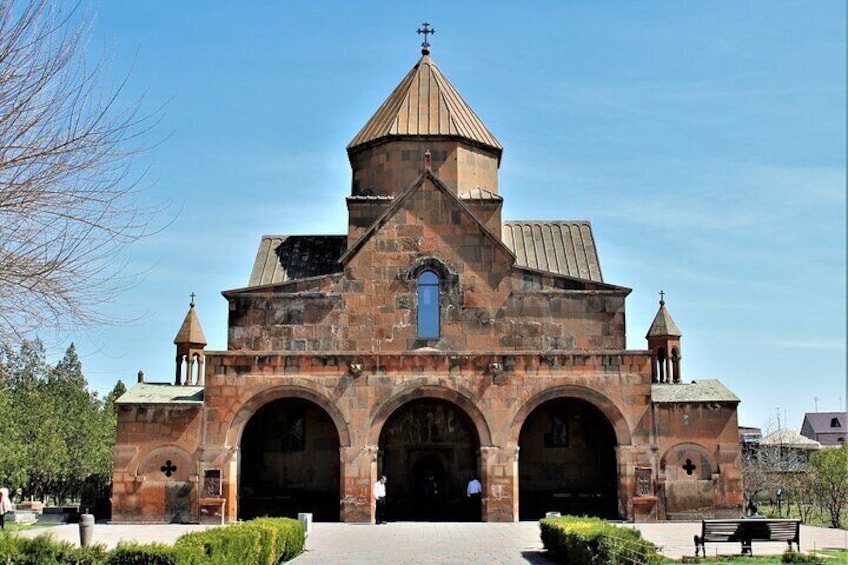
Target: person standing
x=5, y=506
x=474, y=494
x=380, y=500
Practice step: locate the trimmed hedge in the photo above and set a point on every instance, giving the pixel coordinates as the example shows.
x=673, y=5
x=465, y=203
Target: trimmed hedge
x=44, y=550
x=266, y=541
x=592, y=541
x=262, y=541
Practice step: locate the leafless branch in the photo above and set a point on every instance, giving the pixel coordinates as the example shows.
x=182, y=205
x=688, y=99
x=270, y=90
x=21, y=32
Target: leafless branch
x=68, y=200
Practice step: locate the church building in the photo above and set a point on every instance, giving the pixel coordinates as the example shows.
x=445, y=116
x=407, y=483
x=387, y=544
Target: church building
x=433, y=341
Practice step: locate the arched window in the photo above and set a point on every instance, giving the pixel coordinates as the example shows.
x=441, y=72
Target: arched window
x=428, y=305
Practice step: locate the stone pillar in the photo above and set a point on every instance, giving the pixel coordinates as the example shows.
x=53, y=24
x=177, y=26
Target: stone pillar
x=499, y=468
x=229, y=485
x=358, y=470
x=178, y=376
x=624, y=455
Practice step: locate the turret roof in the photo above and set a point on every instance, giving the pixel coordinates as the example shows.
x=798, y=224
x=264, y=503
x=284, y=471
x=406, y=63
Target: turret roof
x=425, y=103
x=190, y=332
x=663, y=325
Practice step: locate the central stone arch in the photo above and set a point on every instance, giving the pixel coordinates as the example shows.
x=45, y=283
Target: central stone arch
x=429, y=448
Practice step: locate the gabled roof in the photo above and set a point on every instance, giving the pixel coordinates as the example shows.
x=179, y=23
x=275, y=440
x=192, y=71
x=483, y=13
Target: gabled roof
x=663, y=325
x=788, y=438
x=190, y=332
x=282, y=258
x=822, y=422
x=562, y=247
x=425, y=103
x=704, y=390
x=162, y=393
x=398, y=202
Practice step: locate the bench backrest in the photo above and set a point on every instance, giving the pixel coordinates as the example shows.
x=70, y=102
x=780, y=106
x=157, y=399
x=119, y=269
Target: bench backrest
x=755, y=529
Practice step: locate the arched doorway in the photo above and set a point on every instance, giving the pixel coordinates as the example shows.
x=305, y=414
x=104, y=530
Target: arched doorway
x=289, y=462
x=567, y=461
x=428, y=451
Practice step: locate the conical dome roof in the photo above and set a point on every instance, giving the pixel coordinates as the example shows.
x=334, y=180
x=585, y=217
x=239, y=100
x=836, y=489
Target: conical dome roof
x=190, y=332
x=663, y=325
x=425, y=103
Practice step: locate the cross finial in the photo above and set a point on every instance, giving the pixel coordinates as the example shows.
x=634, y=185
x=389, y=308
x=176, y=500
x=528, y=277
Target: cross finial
x=192, y=299
x=425, y=47
x=662, y=298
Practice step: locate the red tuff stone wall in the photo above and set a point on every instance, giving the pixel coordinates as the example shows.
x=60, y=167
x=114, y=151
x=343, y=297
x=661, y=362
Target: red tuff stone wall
x=699, y=465
x=389, y=167
x=485, y=304
x=149, y=437
x=360, y=402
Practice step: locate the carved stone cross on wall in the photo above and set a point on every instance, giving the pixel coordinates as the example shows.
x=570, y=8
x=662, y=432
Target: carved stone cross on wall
x=168, y=468
x=689, y=467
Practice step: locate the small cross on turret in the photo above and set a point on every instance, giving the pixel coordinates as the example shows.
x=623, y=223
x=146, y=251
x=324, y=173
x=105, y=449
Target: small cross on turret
x=662, y=298
x=425, y=47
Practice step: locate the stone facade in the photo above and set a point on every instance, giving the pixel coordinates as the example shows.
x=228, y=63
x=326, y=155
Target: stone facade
x=330, y=378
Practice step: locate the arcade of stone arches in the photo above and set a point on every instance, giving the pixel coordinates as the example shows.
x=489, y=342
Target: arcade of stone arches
x=429, y=445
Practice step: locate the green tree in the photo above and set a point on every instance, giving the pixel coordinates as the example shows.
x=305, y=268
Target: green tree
x=830, y=467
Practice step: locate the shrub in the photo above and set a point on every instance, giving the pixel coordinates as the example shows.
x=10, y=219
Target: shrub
x=43, y=550
x=263, y=541
x=592, y=541
x=790, y=556
x=149, y=554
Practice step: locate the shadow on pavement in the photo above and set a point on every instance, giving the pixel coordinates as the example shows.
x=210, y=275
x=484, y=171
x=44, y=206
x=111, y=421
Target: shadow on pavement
x=536, y=557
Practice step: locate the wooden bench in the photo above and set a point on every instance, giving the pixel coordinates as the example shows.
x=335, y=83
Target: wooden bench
x=748, y=530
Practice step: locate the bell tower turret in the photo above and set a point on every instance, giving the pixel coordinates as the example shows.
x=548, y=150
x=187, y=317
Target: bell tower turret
x=664, y=342
x=190, y=342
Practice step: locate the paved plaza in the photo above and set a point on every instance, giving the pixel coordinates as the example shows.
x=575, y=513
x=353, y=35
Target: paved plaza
x=408, y=543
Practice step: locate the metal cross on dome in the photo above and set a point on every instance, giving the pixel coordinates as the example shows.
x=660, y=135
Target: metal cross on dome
x=425, y=47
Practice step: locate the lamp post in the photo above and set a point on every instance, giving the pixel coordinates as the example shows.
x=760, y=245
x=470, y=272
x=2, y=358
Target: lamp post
x=779, y=494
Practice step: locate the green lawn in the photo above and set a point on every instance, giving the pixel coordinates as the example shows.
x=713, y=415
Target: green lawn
x=835, y=556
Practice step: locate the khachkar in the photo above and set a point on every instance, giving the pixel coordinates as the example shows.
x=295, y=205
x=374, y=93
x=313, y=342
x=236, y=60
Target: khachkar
x=431, y=342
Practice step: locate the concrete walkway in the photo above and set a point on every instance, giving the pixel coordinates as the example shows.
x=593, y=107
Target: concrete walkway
x=408, y=543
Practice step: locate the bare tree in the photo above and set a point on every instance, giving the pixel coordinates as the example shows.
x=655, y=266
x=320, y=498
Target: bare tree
x=68, y=204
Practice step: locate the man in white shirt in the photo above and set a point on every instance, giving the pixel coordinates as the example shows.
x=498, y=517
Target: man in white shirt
x=380, y=499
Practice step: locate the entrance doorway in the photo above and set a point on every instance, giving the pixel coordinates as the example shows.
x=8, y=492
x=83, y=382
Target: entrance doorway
x=567, y=461
x=429, y=451
x=289, y=462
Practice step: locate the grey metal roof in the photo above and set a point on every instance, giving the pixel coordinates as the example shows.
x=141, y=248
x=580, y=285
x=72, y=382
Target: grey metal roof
x=162, y=393
x=283, y=258
x=425, y=103
x=564, y=247
x=706, y=390
x=821, y=421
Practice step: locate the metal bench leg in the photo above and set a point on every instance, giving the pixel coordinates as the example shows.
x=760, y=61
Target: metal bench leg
x=746, y=548
x=699, y=543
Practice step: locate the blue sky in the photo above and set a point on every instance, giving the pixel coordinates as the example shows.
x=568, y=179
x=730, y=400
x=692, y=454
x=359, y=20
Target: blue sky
x=705, y=141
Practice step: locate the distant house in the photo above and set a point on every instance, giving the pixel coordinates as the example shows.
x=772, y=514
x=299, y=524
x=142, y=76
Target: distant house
x=827, y=428
x=749, y=438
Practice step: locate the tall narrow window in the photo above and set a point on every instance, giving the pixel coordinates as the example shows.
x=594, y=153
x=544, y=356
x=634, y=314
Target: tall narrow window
x=428, y=305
